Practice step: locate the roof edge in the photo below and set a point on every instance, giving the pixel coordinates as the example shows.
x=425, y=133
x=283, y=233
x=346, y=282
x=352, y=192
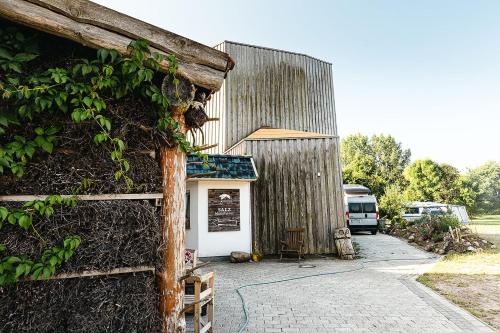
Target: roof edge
x=274, y=49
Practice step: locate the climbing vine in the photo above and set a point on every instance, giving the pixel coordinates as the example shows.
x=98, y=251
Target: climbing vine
x=79, y=91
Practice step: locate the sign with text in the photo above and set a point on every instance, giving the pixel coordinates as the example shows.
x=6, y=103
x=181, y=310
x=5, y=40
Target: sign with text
x=223, y=210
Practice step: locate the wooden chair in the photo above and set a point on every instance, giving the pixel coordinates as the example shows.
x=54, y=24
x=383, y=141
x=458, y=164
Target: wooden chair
x=294, y=242
x=203, y=294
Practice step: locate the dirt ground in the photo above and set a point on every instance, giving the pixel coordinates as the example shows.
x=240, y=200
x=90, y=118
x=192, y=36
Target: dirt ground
x=470, y=281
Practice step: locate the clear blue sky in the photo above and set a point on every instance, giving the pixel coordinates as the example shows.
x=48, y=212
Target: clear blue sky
x=426, y=71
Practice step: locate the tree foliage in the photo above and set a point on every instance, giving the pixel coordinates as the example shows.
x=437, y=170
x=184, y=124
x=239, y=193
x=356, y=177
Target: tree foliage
x=373, y=162
x=485, y=181
x=431, y=181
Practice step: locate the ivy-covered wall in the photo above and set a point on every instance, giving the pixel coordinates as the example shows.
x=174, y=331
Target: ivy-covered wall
x=77, y=121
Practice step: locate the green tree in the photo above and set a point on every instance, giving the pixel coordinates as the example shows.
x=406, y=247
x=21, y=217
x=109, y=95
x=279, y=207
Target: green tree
x=430, y=181
x=485, y=181
x=455, y=188
x=373, y=162
x=425, y=178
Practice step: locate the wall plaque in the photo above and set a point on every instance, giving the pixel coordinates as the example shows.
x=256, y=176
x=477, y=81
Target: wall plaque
x=223, y=210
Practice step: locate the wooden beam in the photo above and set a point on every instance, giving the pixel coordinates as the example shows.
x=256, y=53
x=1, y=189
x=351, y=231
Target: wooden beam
x=114, y=271
x=87, y=197
x=46, y=20
x=84, y=11
x=204, y=147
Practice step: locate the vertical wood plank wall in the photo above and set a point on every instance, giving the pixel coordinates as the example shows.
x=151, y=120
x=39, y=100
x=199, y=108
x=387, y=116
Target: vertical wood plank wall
x=289, y=192
x=269, y=87
x=282, y=89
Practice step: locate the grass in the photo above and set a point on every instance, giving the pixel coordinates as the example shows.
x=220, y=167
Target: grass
x=471, y=281
x=486, y=219
x=488, y=227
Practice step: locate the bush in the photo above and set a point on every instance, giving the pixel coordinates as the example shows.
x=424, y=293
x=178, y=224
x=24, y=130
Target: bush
x=429, y=225
x=392, y=203
x=445, y=221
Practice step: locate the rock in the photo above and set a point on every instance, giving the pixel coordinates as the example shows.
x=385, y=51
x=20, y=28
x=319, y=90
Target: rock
x=493, y=246
x=467, y=244
x=411, y=239
x=237, y=256
x=441, y=251
x=471, y=249
x=428, y=247
x=484, y=241
x=476, y=244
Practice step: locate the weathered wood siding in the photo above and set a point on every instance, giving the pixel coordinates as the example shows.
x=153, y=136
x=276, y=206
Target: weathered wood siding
x=299, y=185
x=269, y=87
x=281, y=89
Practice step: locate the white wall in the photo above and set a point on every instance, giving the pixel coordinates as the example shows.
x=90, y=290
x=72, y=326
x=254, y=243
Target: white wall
x=191, y=240
x=220, y=243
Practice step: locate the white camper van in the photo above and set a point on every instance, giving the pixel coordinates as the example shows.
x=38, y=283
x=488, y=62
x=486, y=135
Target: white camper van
x=361, y=210
x=416, y=210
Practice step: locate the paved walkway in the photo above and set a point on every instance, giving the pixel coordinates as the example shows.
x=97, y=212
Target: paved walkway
x=375, y=296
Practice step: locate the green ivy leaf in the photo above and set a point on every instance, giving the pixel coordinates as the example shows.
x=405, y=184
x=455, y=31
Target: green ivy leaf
x=12, y=219
x=25, y=222
x=13, y=260
x=54, y=260
x=47, y=146
x=20, y=270
x=36, y=273
x=87, y=101
x=5, y=54
x=46, y=272
x=4, y=212
x=24, y=57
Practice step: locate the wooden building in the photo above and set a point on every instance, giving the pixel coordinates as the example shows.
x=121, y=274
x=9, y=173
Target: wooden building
x=278, y=106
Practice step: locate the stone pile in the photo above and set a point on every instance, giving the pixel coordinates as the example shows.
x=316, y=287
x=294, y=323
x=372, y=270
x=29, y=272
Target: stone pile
x=457, y=240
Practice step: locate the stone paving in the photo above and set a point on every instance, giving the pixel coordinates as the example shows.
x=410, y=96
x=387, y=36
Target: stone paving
x=370, y=296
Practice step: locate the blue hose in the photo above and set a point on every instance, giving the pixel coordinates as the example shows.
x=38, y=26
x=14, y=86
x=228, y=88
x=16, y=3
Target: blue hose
x=245, y=309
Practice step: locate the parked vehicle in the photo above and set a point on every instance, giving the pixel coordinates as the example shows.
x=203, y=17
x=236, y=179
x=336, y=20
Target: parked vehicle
x=362, y=212
x=416, y=210
x=355, y=189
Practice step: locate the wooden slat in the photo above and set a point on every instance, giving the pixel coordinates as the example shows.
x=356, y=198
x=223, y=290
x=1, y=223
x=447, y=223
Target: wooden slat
x=44, y=19
x=206, y=327
x=121, y=270
x=205, y=293
x=84, y=11
x=87, y=197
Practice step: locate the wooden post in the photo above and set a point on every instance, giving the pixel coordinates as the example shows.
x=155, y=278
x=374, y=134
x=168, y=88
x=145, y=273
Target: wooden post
x=173, y=165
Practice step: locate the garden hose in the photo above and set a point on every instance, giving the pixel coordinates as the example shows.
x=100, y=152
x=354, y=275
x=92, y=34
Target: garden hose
x=360, y=267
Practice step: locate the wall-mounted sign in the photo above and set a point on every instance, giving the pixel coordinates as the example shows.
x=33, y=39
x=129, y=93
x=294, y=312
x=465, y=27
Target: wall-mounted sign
x=223, y=210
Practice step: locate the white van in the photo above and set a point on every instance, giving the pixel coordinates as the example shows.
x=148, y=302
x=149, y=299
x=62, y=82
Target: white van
x=362, y=213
